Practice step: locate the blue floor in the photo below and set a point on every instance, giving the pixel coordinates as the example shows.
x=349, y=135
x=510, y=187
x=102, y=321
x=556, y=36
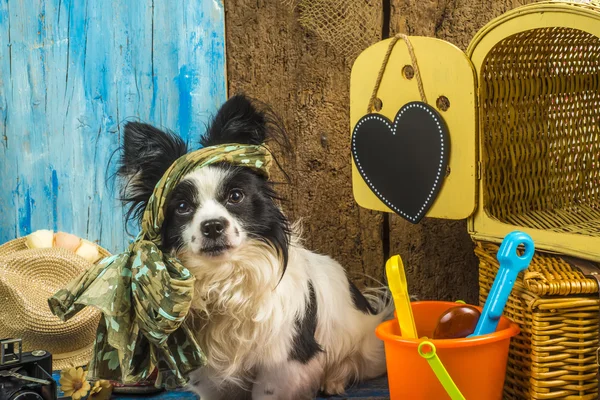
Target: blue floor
x=376, y=389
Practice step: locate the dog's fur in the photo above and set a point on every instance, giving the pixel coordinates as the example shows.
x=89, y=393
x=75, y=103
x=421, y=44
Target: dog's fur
x=276, y=320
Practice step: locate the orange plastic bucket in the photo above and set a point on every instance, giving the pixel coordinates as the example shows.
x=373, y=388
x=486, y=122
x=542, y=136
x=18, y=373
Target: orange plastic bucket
x=477, y=365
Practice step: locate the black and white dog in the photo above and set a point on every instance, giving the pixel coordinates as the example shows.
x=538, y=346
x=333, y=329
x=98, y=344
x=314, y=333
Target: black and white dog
x=276, y=320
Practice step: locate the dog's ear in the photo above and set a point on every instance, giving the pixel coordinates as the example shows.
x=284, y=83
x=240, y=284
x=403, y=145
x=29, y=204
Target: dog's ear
x=245, y=121
x=147, y=152
x=237, y=121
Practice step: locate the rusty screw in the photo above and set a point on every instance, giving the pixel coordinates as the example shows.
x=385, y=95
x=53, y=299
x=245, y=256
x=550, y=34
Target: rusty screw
x=443, y=103
x=408, y=72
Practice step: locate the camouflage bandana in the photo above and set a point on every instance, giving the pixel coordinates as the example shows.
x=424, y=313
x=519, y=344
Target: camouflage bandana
x=144, y=294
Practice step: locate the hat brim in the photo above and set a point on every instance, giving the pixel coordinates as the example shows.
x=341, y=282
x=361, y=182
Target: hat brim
x=75, y=359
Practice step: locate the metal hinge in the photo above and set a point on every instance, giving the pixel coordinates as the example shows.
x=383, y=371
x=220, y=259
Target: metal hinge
x=478, y=170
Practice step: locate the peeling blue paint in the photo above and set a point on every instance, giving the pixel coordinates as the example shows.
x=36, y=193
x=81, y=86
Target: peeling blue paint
x=184, y=84
x=25, y=213
x=54, y=197
x=71, y=75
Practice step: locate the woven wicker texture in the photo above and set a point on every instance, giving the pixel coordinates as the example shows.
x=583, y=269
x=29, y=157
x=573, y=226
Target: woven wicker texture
x=558, y=311
x=540, y=110
x=28, y=277
x=349, y=26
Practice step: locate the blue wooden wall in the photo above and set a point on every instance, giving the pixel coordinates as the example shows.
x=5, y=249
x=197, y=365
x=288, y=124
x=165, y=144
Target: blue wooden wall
x=71, y=73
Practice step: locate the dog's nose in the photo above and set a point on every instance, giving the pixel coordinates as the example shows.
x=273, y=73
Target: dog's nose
x=213, y=228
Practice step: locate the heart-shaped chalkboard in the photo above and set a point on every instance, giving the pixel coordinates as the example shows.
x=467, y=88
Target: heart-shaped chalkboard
x=404, y=162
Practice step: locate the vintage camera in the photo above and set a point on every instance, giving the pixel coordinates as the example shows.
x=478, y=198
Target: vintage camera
x=25, y=376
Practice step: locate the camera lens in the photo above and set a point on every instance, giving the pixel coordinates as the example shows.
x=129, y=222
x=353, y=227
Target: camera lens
x=26, y=395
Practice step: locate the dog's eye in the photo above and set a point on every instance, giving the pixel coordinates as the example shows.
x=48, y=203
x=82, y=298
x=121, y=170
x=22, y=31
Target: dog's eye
x=235, y=196
x=183, y=208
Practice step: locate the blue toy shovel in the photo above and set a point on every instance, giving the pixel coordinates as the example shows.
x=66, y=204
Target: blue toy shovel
x=510, y=265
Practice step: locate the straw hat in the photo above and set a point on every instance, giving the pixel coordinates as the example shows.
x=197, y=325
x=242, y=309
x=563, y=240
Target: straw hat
x=31, y=271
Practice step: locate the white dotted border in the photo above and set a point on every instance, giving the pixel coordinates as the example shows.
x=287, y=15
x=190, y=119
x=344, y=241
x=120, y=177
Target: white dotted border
x=393, y=129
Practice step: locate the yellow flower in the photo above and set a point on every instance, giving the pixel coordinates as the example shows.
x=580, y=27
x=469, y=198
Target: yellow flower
x=73, y=383
x=102, y=390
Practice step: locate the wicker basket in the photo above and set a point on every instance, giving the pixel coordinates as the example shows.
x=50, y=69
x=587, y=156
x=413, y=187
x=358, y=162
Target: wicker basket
x=558, y=310
x=540, y=106
x=539, y=113
x=539, y=132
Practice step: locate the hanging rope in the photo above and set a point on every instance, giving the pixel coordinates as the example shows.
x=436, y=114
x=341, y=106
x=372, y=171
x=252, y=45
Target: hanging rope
x=386, y=58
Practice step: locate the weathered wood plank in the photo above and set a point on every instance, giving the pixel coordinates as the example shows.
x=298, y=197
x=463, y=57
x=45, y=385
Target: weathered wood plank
x=376, y=389
x=71, y=72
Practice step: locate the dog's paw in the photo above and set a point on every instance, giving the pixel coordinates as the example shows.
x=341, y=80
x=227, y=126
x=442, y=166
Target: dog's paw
x=333, y=388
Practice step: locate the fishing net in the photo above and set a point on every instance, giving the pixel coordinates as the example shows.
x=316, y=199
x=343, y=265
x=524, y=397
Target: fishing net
x=349, y=26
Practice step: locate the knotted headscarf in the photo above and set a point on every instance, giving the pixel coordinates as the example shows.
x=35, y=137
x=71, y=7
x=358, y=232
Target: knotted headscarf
x=145, y=294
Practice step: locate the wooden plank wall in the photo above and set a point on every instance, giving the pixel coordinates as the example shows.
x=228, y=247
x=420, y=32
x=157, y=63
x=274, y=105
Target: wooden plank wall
x=272, y=57
x=71, y=72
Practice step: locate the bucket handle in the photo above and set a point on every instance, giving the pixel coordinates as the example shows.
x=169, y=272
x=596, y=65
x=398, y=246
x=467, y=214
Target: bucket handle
x=439, y=370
